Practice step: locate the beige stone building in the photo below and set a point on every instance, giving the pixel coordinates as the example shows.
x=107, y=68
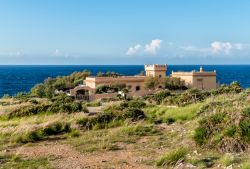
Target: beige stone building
x=134, y=84
x=156, y=70
x=198, y=79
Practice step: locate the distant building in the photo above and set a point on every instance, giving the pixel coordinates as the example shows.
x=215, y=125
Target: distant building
x=156, y=70
x=134, y=84
x=198, y=79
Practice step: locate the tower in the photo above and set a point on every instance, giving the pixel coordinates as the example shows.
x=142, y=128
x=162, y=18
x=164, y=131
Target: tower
x=156, y=70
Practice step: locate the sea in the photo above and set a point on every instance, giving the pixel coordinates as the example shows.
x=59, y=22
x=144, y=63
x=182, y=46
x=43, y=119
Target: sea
x=21, y=78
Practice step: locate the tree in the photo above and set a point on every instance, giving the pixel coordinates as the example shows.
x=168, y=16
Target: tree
x=151, y=83
x=174, y=83
x=159, y=97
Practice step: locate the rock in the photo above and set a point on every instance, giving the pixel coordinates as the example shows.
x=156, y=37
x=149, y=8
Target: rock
x=190, y=166
x=184, y=166
x=179, y=166
x=229, y=167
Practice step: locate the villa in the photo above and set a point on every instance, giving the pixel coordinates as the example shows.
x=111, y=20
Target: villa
x=135, y=84
x=198, y=79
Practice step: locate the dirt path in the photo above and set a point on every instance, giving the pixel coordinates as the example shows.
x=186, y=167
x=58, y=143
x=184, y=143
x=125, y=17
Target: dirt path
x=64, y=156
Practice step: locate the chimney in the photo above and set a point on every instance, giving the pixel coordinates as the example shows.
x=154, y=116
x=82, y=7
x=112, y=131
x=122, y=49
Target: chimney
x=201, y=69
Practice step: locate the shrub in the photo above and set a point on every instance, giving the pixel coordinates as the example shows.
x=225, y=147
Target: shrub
x=200, y=135
x=139, y=130
x=28, y=110
x=173, y=157
x=245, y=128
x=233, y=88
x=135, y=104
x=230, y=131
x=134, y=114
x=42, y=133
x=110, y=118
x=48, y=87
x=246, y=112
x=82, y=121
x=227, y=160
x=92, y=104
x=159, y=97
x=225, y=125
x=74, y=133
x=188, y=97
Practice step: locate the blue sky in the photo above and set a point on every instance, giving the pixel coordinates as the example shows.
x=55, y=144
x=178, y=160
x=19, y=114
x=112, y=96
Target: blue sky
x=124, y=31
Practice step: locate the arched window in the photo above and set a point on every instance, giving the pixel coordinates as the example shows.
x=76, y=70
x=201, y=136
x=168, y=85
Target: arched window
x=137, y=88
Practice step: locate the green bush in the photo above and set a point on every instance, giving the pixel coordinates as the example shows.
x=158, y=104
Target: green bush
x=28, y=110
x=74, y=133
x=245, y=128
x=200, y=135
x=227, y=160
x=188, y=97
x=135, y=104
x=134, y=114
x=230, y=131
x=139, y=130
x=233, y=88
x=92, y=104
x=246, y=112
x=43, y=133
x=48, y=87
x=172, y=157
x=225, y=125
x=111, y=117
x=159, y=97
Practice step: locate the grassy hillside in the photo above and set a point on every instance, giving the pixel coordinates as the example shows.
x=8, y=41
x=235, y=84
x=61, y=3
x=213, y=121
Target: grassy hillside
x=199, y=129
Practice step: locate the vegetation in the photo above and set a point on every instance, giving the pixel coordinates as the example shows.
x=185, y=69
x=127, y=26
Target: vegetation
x=214, y=124
x=170, y=83
x=43, y=133
x=113, y=116
x=172, y=157
x=110, y=88
x=58, y=104
x=108, y=74
x=48, y=87
x=15, y=161
x=225, y=125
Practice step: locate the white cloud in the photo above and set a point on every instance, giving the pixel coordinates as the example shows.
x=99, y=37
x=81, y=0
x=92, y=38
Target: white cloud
x=152, y=47
x=134, y=50
x=216, y=48
x=221, y=47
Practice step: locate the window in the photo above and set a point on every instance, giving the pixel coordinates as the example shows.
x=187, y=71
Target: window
x=159, y=76
x=137, y=88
